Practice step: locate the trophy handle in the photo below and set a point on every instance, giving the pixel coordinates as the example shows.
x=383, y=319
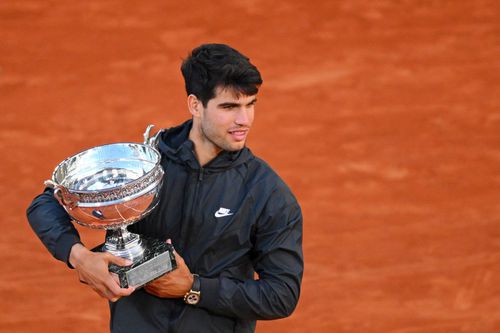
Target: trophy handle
x=151, y=141
x=63, y=195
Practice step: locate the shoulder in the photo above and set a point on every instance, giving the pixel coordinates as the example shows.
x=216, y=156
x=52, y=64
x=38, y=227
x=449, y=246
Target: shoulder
x=276, y=207
x=267, y=185
x=259, y=171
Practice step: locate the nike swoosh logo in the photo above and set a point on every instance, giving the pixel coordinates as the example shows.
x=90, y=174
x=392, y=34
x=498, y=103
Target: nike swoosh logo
x=223, y=212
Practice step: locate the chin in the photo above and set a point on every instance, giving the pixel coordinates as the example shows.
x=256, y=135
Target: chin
x=236, y=147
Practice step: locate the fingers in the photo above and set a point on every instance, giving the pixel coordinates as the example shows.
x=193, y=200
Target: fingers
x=111, y=290
x=117, y=260
x=104, y=283
x=178, y=259
x=169, y=241
x=116, y=278
x=82, y=279
x=151, y=288
x=158, y=290
x=109, y=295
x=115, y=290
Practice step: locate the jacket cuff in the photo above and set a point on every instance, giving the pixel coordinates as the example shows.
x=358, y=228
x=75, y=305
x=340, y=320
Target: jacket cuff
x=209, y=288
x=63, y=247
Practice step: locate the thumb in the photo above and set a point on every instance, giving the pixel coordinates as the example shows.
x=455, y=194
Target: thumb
x=117, y=260
x=178, y=258
x=169, y=242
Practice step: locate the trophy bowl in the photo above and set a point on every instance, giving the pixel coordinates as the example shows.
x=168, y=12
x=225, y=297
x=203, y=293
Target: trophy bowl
x=110, y=187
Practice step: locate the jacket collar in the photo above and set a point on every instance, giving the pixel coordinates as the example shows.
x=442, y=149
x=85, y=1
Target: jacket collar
x=176, y=145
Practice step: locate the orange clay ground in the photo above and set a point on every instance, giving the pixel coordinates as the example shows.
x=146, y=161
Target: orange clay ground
x=382, y=116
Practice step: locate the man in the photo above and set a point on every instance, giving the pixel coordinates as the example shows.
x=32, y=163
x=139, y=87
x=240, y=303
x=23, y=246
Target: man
x=226, y=212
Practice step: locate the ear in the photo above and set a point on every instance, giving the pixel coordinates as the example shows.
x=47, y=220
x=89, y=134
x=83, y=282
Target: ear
x=194, y=105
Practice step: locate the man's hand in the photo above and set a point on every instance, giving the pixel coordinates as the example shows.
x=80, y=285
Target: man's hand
x=92, y=269
x=174, y=284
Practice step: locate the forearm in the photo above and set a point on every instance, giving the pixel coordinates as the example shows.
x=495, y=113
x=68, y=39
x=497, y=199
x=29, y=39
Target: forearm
x=278, y=260
x=52, y=225
x=251, y=299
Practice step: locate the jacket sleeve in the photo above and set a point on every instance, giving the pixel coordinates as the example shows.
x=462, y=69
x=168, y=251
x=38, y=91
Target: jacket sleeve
x=52, y=225
x=278, y=260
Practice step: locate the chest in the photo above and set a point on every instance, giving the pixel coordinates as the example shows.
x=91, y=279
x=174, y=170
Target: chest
x=204, y=212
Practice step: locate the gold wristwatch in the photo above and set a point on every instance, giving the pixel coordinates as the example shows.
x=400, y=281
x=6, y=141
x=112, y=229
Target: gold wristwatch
x=193, y=296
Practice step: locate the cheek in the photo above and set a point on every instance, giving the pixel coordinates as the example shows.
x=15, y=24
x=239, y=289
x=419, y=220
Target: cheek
x=216, y=124
x=224, y=120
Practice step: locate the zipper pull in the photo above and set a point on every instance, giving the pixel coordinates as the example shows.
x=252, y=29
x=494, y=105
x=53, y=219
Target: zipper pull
x=200, y=175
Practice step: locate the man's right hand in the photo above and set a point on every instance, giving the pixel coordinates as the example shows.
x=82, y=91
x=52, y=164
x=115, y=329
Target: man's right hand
x=92, y=269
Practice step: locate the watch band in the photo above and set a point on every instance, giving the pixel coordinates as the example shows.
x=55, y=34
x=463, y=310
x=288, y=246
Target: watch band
x=196, y=283
x=193, y=296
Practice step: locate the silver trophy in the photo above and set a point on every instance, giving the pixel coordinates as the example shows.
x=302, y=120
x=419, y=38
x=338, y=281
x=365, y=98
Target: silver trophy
x=110, y=187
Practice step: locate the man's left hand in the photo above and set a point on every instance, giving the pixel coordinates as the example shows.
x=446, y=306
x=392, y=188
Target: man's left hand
x=174, y=284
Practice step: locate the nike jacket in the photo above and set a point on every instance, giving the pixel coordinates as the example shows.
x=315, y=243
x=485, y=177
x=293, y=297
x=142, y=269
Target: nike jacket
x=235, y=223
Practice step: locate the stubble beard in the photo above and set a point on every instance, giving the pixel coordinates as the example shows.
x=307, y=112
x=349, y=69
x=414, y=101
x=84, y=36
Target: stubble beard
x=218, y=142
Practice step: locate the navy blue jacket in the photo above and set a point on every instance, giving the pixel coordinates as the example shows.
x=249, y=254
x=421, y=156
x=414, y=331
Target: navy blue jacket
x=260, y=232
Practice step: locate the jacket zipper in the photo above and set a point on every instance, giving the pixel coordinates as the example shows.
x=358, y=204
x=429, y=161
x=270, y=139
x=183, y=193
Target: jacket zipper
x=193, y=233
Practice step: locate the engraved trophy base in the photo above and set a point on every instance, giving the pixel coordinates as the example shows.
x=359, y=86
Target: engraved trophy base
x=157, y=259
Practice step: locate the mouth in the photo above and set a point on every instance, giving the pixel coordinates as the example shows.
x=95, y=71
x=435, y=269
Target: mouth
x=238, y=134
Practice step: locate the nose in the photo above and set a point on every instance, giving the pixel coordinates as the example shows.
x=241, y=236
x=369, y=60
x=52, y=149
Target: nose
x=243, y=117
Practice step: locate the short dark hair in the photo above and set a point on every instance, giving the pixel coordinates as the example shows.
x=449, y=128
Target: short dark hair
x=210, y=66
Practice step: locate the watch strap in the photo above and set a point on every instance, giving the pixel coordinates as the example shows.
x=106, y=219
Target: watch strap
x=196, y=283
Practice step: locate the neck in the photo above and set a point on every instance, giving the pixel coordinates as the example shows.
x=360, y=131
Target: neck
x=204, y=149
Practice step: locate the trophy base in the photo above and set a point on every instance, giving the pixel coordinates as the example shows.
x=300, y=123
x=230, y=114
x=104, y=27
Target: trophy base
x=158, y=258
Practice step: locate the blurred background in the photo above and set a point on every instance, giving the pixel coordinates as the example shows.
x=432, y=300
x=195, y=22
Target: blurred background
x=382, y=116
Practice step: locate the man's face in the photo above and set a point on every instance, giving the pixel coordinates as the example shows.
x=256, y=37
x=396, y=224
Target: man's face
x=227, y=118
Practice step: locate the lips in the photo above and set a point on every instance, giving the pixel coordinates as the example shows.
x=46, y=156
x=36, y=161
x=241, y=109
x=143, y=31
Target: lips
x=239, y=134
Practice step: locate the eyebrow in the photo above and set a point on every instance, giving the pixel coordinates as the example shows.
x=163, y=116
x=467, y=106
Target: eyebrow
x=228, y=104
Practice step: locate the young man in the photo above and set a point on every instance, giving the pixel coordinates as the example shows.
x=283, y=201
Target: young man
x=226, y=212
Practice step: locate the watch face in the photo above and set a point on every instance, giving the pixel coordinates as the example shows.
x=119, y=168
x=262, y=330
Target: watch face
x=192, y=298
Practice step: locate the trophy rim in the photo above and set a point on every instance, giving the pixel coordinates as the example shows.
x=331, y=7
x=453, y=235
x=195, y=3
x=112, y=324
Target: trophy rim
x=111, y=189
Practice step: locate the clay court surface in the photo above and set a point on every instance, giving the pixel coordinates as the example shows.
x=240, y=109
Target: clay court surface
x=382, y=116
